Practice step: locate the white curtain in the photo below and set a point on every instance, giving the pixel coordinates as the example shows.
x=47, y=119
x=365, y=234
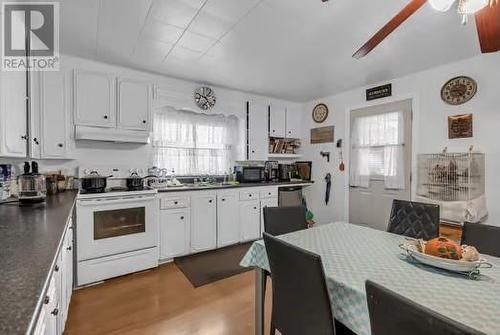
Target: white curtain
x=377, y=150
x=194, y=143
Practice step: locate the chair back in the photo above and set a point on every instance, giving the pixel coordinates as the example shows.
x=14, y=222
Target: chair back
x=414, y=219
x=485, y=238
x=283, y=220
x=301, y=304
x=392, y=314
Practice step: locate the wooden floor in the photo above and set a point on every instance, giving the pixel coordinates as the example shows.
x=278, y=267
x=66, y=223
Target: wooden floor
x=163, y=301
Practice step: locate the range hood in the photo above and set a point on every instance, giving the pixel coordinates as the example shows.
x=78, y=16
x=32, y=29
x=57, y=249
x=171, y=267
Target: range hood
x=111, y=135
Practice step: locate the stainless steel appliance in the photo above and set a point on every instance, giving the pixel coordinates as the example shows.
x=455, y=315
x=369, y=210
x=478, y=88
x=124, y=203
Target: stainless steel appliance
x=250, y=174
x=286, y=171
x=290, y=196
x=271, y=170
x=31, y=185
x=117, y=230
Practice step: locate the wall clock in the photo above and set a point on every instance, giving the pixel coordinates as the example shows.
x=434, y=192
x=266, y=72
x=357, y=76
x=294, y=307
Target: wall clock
x=204, y=97
x=320, y=113
x=458, y=90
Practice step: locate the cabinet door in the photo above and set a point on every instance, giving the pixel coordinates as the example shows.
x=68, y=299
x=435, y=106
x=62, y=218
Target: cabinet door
x=53, y=115
x=13, y=114
x=293, y=122
x=250, y=220
x=228, y=226
x=51, y=309
x=134, y=104
x=203, y=222
x=174, y=233
x=271, y=202
x=67, y=274
x=257, y=132
x=277, y=120
x=94, y=99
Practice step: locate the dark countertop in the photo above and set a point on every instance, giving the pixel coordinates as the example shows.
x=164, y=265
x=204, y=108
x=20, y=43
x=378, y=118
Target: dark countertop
x=188, y=187
x=29, y=240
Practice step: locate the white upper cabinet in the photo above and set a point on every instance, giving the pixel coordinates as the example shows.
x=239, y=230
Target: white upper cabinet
x=94, y=99
x=257, y=131
x=134, y=104
x=277, y=121
x=13, y=114
x=293, y=122
x=228, y=228
x=203, y=222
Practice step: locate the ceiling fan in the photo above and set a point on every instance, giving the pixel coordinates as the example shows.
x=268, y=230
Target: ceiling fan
x=487, y=13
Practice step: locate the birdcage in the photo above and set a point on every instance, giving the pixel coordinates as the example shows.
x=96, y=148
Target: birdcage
x=451, y=176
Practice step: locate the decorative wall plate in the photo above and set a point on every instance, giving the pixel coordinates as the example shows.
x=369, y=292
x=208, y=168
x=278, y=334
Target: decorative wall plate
x=204, y=97
x=458, y=90
x=320, y=113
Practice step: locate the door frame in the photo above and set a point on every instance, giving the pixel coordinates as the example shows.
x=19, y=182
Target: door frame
x=414, y=140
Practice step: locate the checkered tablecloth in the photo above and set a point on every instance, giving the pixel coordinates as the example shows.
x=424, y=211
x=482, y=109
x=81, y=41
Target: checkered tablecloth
x=352, y=254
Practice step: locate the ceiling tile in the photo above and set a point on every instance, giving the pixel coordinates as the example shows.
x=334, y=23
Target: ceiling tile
x=159, y=31
x=181, y=54
x=229, y=10
x=210, y=25
x=176, y=12
x=196, y=42
x=150, y=52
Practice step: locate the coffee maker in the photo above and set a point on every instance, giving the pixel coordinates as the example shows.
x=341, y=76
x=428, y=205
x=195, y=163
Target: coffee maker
x=31, y=185
x=271, y=170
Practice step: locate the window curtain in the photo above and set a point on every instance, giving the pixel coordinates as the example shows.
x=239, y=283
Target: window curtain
x=193, y=143
x=377, y=150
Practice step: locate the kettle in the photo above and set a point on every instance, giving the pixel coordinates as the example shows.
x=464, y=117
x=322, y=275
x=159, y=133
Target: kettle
x=31, y=185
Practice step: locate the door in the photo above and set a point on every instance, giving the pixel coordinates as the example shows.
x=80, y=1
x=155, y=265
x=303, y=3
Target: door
x=94, y=99
x=134, y=104
x=203, y=222
x=293, y=121
x=271, y=202
x=228, y=226
x=277, y=121
x=381, y=150
x=250, y=220
x=174, y=233
x=257, y=132
x=13, y=114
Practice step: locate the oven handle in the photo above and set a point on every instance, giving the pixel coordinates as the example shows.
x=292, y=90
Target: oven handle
x=85, y=202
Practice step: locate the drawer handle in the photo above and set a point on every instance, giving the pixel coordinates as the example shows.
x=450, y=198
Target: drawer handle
x=55, y=312
x=269, y=193
x=255, y=208
x=60, y=145
x=56, y=269
x=105, y=117
x=210, y=201
x=144, y=121
x=176, y=202
x=69, y=248
x=46, y=300
x=223, y=199
x=182, y=217
x=249, y=195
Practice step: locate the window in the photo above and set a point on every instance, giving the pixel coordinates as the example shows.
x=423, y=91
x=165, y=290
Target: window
x=194, y=143
x=377, y=150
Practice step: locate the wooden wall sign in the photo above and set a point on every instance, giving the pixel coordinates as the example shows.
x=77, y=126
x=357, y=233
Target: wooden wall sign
x=460, y=126
x=379, y=92
x=322, y=135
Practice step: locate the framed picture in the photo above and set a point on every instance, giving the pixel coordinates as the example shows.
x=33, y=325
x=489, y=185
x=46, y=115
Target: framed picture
x=460, y=126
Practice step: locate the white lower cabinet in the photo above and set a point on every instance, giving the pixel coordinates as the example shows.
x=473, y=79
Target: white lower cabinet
x=203, y=221
x=249, y=220
x=174, y=233
x=228, y=226
x=271, y=202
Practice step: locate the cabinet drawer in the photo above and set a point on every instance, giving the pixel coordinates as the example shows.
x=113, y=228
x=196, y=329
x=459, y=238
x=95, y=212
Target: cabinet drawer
x=269, y=193
x=249, y=195
x=174, y=202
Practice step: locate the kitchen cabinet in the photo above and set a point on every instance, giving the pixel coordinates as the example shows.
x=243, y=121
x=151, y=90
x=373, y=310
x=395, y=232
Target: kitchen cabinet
x=249, y=220
x=270, y=202
x=293, y=122
x=94, y=99
x=67, y=274
x=134, y=104
x=13, y=114
x=228, y=226
x=174, y=233
x=203, y=221
x=258, y=136
x=277, y=121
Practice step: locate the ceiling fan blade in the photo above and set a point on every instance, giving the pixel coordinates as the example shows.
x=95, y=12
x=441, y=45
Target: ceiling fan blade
x=488, y=28
x=395, y=22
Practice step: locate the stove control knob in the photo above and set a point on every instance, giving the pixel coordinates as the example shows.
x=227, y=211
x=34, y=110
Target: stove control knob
x=86, y=171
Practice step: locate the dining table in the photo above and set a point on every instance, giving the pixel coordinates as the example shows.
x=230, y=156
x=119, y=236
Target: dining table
x=352, y=254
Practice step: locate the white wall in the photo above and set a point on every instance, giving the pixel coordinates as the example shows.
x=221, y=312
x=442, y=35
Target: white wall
x=430, y=130
x=172, y=92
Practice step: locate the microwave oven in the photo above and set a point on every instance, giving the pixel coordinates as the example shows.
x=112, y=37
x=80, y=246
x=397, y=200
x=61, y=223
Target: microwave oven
x=250, y=174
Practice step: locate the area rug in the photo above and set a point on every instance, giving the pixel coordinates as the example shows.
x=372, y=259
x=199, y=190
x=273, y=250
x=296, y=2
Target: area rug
x=210, y=266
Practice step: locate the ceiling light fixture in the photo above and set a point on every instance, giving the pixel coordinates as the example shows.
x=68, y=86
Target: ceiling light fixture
x=441, y=5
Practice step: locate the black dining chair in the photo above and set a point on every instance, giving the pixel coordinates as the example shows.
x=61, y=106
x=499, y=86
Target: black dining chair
x=484, y=237
x=282, y=220
x=414, y=219
x=301, y=304
x=406, y=317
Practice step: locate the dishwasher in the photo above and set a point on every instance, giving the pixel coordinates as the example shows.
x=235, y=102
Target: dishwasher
x=290, y=196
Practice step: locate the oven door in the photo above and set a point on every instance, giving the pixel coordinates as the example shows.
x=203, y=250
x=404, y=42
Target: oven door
x=110, y=226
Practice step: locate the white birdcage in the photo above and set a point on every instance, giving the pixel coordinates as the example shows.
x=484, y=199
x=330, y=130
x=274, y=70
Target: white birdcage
x=456, y=181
